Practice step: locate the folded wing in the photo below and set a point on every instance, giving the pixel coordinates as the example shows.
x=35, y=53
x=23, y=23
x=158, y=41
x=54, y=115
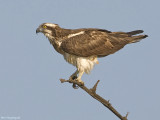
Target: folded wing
x=96, y=42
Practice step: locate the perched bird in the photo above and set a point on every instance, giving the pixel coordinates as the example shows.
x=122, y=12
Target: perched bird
x=82, y=47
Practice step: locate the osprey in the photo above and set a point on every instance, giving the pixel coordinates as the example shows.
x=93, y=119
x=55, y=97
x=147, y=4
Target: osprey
x=82, y=47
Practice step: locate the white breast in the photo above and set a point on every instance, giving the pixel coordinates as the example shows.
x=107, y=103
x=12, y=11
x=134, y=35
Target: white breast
x=85, y=64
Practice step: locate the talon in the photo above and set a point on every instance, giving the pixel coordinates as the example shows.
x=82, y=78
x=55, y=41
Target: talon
x=75, y=86
x=80, y=81
x=73, y=77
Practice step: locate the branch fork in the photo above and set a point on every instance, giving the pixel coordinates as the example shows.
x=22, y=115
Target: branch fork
x=92, y=92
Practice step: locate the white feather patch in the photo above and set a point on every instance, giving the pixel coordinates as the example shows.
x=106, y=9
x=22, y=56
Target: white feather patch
x=48, y=35
x=51, y=24
x=72, y=35
x=85, y=64
x=59, y=43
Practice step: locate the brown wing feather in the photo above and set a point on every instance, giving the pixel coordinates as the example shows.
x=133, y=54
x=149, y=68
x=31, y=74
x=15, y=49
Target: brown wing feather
x=97, y=42
x=90, y=43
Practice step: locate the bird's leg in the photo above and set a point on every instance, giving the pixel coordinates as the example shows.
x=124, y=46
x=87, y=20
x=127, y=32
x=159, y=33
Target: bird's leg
x=79, y=77
x=74, y=75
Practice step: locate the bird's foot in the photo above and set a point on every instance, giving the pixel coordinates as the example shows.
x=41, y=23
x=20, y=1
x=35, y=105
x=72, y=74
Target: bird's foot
x=75, y=86
x=80, y=81
x=73, y=77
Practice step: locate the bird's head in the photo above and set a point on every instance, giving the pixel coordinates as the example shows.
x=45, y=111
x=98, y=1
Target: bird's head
x=48, y=29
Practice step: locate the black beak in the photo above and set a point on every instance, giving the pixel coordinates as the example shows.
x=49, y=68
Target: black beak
x=37, y=30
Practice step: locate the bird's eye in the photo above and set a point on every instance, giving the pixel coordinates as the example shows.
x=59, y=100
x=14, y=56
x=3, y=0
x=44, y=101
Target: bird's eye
x=44, y=26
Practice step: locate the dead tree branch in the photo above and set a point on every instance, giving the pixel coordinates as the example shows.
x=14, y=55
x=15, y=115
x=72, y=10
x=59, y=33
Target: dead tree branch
x=92, y=92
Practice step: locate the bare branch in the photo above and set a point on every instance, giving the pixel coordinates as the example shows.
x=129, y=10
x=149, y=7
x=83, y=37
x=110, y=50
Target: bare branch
x=94, y=87
x=92, y=92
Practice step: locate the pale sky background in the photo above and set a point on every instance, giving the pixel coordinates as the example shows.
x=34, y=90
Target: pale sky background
x=30, y=68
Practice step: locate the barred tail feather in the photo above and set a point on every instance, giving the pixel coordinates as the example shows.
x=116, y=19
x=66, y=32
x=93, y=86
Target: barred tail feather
x=137, y=38
x=135, y=32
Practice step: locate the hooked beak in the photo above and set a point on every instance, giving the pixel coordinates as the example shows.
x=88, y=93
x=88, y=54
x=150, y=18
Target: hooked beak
x=37, y=30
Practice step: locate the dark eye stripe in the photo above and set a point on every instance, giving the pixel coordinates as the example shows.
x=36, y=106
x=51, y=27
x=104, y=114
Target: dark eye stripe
x=49, y=28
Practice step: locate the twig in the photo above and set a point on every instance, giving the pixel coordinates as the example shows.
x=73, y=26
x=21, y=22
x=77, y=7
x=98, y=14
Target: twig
x=92, y=92
x=94, y=87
